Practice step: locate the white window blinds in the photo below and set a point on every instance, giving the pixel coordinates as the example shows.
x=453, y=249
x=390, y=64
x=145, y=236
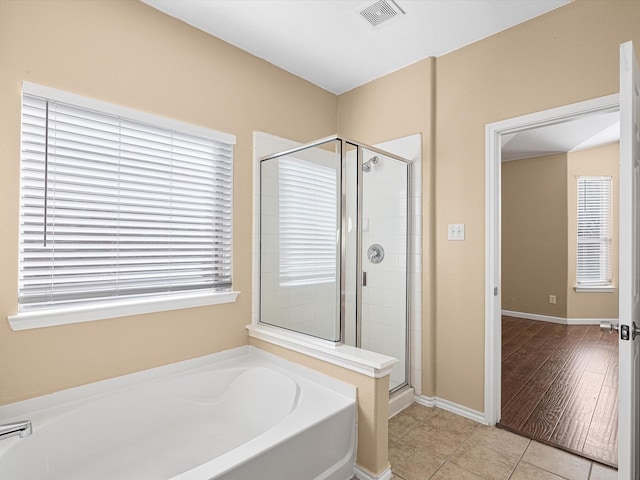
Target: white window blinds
x=594, y=231
x=114, y=208
x=308, y=212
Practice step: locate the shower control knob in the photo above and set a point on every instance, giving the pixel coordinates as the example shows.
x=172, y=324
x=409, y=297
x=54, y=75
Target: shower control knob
x=375, y=253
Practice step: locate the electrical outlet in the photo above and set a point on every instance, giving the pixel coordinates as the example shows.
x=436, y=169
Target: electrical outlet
x=552, y=299
x=455, y=231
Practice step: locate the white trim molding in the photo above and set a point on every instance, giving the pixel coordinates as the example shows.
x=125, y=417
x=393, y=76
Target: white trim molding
x=117, y=308
x=121, y=111
x=560, y=320
x=425, y=401
x=452, y=407
x=599, y=289
x=367, y=363
x=401, y=400
x=493, y=295
x=363, y=474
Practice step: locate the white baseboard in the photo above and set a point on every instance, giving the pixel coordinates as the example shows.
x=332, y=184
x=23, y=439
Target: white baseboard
x=563, y=321
x=363, y=474
x=401, y=400
x=451, y=407
x=425, y=401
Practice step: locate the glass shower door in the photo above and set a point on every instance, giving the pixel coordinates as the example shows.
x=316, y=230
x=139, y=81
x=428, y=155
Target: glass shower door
x=300, y=246
x=385, y=236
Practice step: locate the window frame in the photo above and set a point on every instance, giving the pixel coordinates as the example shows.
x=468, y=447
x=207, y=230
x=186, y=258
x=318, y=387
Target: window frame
x=604, y=283
x=122, y=306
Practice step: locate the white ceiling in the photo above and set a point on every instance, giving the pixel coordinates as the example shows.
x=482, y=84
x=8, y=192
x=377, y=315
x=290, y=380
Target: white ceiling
x=329, y=43
x=587, y=131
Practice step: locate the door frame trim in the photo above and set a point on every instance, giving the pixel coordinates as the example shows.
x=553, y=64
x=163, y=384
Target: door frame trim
x=493, y=302
x=628, y=463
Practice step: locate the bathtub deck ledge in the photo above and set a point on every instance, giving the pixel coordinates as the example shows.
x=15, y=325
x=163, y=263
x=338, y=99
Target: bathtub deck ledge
x=365, y=362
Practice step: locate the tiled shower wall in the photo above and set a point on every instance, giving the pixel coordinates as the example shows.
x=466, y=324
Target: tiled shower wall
x=384, y=298
x=384, y=223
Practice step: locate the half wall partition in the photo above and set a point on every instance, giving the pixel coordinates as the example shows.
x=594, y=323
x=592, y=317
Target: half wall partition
x=334, y=246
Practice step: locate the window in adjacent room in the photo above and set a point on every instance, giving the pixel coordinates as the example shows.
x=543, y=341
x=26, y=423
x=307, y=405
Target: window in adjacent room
x=594, y=232
x=120, y=207
x=308, y=222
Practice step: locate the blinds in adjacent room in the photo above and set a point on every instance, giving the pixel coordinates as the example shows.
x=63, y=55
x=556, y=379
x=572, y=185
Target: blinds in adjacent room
x=116, y=208
x=594, y=231
x=308, y=213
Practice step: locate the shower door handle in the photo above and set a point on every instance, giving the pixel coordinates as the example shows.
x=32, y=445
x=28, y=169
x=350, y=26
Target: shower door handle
x=364, y=279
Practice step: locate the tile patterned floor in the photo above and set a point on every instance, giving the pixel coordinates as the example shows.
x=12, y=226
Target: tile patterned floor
x=431, y=443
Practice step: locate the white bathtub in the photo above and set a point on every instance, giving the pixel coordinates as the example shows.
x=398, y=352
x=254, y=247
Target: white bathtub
x=242, y=414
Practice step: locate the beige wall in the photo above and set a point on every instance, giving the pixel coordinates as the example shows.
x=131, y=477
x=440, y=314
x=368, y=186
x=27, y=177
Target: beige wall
x=129, y=54
x=534, y=235
x=568, y=55
x=594, y=161
x=539, y=240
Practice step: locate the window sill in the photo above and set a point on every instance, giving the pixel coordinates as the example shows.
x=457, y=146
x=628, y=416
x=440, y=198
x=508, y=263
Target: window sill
x=595, y=289
x=123, y=308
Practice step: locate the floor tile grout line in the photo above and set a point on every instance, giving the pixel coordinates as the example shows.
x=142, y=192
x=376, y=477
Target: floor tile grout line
x=549, y=471
x=467, y=440
x=504, y=430
x=399, y=437
x=520, y=458
x=560, y=450
x=449, y=458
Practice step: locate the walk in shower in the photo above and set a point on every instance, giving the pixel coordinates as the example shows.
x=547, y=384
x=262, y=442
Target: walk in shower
x=334, y=246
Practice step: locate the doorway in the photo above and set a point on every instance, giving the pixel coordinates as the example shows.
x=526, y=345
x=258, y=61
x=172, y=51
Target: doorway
x=496, y=135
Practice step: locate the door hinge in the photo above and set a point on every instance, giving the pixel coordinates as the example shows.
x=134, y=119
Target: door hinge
x=495, y=291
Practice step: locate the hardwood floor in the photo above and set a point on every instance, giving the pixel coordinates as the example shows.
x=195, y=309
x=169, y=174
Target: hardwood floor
x=560, y=386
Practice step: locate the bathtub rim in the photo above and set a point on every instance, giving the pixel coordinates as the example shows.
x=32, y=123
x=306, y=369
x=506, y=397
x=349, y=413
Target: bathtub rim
x=74, y=396
x=264, y=443
x=240, y=358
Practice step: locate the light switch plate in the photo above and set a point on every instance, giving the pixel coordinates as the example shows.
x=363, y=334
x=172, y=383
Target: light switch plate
x=455, y=231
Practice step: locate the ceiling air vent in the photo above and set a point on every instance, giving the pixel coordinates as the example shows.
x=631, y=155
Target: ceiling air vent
x=381, y=11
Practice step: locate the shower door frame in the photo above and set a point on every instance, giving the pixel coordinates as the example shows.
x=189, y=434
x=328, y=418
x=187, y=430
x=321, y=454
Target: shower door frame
x=342, y=213
x=360, y=147
x=359, y=252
